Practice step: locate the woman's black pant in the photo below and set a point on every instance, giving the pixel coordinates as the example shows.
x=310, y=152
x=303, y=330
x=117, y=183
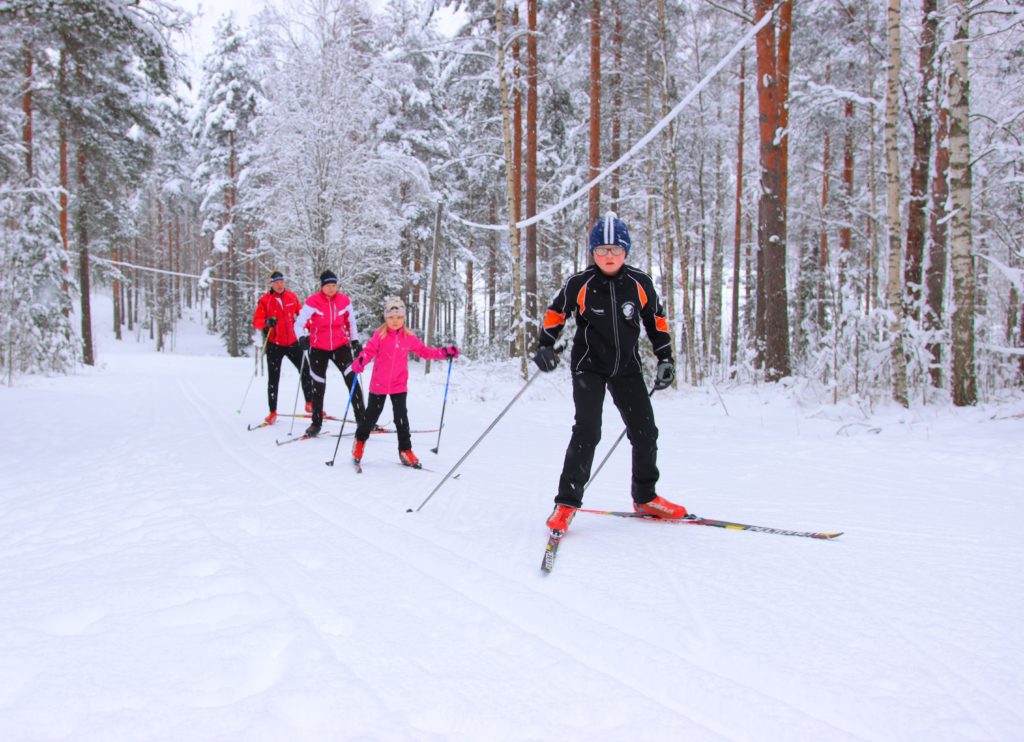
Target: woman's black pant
x=342, y=358
x=631, y=397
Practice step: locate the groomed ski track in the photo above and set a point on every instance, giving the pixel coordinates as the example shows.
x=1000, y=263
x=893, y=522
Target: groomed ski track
x=173, y=575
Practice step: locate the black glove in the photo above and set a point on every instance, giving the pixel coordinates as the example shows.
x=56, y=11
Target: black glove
x=356, y=347
x=665, y=374
x=265, y=331
x=271, y=321
x=546, y=358
x=304, y=342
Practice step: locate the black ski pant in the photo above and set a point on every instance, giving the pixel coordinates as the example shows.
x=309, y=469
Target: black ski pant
x=375, y=406
x=342, y=358
x=632, y=399
x=275, y=357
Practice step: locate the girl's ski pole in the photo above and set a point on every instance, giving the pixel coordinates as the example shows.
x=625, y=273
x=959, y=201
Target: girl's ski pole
x=440, y=426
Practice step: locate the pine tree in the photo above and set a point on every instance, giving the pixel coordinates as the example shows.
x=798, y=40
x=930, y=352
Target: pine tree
x=228, y=99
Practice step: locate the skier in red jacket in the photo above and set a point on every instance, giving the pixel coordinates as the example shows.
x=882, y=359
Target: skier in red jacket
x=331, y=322
x=275, y=316
x=389, y=349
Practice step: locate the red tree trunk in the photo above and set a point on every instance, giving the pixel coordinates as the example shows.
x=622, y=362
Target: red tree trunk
x=922, y=125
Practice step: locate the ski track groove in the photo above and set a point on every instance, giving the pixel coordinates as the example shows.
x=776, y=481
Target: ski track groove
x=639, y=689
x=490, y=607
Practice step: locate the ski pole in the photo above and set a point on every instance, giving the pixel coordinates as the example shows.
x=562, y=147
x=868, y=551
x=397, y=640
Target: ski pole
x=344, y=418
x=477, y=442
x=612, y=449
x=440, y=425
x=295, y=406
x=253, y=378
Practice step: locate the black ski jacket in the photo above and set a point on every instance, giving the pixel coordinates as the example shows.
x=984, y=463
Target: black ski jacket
x=609, y=311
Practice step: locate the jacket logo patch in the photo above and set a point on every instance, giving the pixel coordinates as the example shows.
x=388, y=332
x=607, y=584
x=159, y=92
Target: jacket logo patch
x=628, y=310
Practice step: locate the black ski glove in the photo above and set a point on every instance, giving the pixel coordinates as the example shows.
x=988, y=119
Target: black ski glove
x=356, y=347
x=665, y=374
x=304, y=342
x=546, y=358
x=271, y=321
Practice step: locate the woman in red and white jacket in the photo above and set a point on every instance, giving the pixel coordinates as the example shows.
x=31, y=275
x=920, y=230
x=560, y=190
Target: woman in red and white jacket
x=328, y=317
x=389, y=349
x=275, y=316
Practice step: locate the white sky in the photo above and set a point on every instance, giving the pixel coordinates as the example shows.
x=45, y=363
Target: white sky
x=210, y=11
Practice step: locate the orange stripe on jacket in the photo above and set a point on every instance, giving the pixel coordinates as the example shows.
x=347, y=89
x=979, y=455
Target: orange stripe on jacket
x=642, y=294
x=581, y=298
x=661, y=323
x=553, y=319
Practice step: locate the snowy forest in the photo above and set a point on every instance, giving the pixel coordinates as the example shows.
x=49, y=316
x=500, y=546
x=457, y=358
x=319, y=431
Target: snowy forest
x=827, y=192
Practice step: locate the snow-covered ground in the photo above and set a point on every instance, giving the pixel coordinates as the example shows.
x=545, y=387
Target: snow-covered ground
x=167, y=575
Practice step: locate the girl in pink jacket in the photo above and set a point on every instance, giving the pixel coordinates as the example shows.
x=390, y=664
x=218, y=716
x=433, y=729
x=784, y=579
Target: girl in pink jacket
x=389, y=350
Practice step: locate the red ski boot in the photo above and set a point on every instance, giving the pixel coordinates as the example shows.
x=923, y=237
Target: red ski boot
x=561, y=517
x=659, y=507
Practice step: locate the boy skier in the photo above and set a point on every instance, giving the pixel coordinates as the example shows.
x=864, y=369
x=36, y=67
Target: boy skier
x=611, y=301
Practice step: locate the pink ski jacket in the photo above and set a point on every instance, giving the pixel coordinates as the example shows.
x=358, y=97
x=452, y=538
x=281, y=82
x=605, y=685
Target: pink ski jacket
x=391, y=368
x=331, y=322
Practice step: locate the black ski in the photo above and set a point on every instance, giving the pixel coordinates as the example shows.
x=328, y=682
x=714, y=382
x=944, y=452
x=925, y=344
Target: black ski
x=699, y=521
x=551, y=551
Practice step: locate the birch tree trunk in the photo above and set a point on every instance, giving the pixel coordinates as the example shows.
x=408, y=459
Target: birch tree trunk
x=963, y=380
x=517, y=329
x=894, y=294
x=871, y=282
